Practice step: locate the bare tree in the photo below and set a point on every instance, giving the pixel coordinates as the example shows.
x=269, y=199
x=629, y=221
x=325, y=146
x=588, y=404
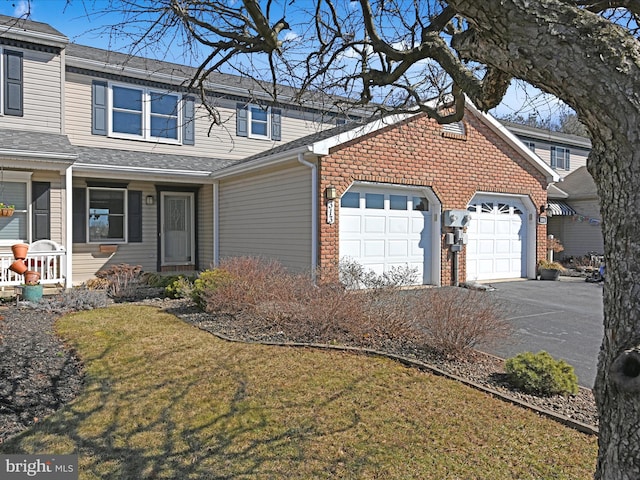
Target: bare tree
x=400, y=54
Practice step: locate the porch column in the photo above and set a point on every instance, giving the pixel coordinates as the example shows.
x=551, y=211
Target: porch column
x=68, y=216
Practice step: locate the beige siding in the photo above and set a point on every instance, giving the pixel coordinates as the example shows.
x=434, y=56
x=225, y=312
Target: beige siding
x=42, y=94
x=268, y=215
x=577, y=156
x=579, y=234
x=205, y=227
x=219, y=141
x=87, y=258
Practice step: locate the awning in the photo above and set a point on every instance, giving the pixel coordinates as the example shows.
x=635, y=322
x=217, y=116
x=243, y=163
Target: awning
x=556, y=207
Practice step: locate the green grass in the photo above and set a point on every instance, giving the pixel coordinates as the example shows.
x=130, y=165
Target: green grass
x=166, y=400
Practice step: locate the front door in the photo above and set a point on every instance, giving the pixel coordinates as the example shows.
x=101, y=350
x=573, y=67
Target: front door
x=177, y=228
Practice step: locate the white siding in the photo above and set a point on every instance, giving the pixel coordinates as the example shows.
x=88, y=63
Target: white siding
x=219, y=141
x=42, y=93
x=579, y=234
x=577, y=156
x=268, y=215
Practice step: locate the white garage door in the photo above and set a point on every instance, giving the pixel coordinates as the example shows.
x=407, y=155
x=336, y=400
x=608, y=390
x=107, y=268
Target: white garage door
x=385, y=228
x=497, y=238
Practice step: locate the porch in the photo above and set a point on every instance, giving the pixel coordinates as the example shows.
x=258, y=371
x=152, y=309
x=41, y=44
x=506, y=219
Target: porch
x=50, y=264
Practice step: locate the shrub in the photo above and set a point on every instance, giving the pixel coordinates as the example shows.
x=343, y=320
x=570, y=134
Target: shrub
x=203, y=286
x=123, y=280
x=541, y=374
x=355, y=276
x=179, y=287
x=82, y=298
x=452, y=321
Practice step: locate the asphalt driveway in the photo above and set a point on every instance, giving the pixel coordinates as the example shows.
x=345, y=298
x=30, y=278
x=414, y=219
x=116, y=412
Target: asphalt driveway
x=562, y=317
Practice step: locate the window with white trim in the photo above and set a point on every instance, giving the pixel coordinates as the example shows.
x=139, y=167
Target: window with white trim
x=560, y=158
x=15, y=190
x=530, y=145
x=107, y=220
x=144, y=114
x=259, y=120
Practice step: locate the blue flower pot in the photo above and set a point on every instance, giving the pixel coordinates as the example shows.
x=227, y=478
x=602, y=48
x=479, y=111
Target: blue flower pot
x=32, y=293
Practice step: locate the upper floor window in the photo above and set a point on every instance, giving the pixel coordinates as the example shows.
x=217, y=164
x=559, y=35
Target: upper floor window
x=255, y=121
x=530, y=145
x=140, y=113
x=560, y=158
x=11, y=87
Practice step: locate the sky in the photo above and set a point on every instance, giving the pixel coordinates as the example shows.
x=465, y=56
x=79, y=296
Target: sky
x=81, y=22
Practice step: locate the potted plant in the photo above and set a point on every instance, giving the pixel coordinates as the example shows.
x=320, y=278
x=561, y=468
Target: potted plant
x=549, y=270
x=6, y=210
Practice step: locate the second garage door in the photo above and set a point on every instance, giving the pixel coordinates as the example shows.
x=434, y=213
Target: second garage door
x=497, y=238
x=382, y=228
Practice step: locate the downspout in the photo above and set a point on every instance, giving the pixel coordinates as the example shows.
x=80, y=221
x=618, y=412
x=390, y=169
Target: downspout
x=314, y=213
x=216, y=224
x=69, y=227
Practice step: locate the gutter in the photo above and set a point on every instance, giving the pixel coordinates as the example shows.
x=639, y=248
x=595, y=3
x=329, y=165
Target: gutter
x=314, y=213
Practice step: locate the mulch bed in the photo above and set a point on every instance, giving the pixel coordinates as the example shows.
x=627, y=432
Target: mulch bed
x=40, y=375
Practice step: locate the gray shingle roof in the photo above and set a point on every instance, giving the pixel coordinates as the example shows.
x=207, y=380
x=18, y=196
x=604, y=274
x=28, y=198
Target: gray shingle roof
x=28, y=25
x=126, y=158
x=29, y=142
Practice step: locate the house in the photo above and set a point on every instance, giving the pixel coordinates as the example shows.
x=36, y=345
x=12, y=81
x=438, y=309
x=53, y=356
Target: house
x=573, y=205
x=114, y=158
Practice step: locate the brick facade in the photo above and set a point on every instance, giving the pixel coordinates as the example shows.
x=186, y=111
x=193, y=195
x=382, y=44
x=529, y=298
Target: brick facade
x=416, y=152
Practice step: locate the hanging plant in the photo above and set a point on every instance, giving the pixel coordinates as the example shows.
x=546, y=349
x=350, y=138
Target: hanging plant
x=6, y=210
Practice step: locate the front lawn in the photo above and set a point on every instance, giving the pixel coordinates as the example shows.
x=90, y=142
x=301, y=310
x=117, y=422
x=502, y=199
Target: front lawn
x=165, y=400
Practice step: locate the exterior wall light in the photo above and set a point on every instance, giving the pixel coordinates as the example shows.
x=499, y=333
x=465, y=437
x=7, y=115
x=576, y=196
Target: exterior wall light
x=330, y=192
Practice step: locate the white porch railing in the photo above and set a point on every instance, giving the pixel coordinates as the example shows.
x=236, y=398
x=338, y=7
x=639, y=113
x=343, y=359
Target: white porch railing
x=50, y=265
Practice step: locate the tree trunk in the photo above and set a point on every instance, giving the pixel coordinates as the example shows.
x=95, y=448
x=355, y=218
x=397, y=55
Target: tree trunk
x=593, y=66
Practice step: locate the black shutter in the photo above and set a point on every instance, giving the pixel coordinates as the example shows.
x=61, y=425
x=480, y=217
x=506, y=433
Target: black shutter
x=41, y=193
x=79, y=215
x=188, y=119
x=134, y=206
x=99, y=108
x=13, y=87
x=242, y=126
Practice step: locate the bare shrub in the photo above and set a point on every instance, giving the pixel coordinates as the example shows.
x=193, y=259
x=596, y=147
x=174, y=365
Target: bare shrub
x=453, y=321
x=355, y=276
x=122, y=280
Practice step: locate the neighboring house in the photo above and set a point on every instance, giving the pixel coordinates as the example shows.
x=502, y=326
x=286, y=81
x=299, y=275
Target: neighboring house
x=579, y=230
x=113, y=158
x=573, y=207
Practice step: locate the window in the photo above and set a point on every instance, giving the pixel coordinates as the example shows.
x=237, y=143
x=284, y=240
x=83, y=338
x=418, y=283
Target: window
x=107, y=207
x=11, y=88
x=350, y=200
x=144, y=113
x=530, y=145
x=15, y=190
x=560, y=158
x=398, y=202
x=374, y=200
x=139, y=113
x=256, y=121
x=420, y=204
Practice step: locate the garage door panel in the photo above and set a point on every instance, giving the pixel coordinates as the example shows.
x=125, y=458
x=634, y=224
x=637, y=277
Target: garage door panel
x=350, y=224
x=399, y=248
x=486, y=226
x=502, y=247
x=374, y=248
x=351, y=248
x=374, y=224
x=486, y=246
x=398, y=225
